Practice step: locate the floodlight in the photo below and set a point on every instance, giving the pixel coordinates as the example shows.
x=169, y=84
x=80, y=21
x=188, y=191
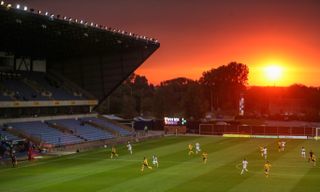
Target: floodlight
x=46, y=13
x=18, y=6
x=2, y=3
x=25, y=8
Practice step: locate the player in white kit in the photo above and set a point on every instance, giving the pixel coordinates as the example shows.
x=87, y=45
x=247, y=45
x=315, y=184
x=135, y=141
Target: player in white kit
x=129, y=146
x=303, y=152
x=155, y=161
x=244, y=166
x=198, y=150
x=283, y=145
x=265, y=152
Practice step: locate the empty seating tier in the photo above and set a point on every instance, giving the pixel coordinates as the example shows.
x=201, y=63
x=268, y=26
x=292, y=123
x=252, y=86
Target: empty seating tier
x=85, y=131
x=37, y=86
x=57, y=90
x=8, y=136
x=46, y=134
x=105, y=123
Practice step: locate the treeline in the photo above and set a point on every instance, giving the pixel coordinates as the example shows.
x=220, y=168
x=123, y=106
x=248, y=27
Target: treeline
x=217, y=90
x=296, y=102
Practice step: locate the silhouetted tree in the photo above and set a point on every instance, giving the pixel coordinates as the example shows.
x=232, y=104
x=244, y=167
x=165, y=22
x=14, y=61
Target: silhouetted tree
x=224, y=84
x=178, y=97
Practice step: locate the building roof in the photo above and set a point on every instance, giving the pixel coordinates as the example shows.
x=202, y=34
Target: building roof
x=95, y=57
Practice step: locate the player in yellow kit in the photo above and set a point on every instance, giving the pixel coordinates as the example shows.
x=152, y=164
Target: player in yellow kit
x=113, y=152
x=145, y=164
x=190, y=146
x=267, y=167
x=205, y=157
x=261, y=151
x=314, y=159
x=279, y=145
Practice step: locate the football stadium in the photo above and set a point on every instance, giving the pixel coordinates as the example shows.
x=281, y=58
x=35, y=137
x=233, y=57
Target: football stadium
x=55, y=71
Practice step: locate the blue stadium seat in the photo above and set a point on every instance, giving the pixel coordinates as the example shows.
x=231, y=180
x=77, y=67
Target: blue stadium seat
x=22, y=91
x=85, y=131
x=8, y=135
x=47, y=134
x=58, y=93
x=104, y=123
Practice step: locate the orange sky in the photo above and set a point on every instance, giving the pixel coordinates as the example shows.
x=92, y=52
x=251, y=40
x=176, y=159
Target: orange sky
x=197, y=35
x=296, y=50
x=289, y=38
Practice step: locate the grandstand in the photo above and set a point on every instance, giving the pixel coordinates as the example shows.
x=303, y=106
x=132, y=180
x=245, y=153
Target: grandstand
x=8, y=136
x=107, y=124
x=85, y=131
x=36, y=86
x=42, y=132
x=56, y=70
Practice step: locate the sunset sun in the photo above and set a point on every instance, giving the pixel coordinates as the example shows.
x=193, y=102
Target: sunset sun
x=273, y=72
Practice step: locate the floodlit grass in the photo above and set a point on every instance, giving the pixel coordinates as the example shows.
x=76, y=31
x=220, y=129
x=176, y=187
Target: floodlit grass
x=95, y=171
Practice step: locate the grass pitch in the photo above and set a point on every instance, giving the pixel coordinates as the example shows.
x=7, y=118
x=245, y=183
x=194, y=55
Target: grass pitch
x=95, y=171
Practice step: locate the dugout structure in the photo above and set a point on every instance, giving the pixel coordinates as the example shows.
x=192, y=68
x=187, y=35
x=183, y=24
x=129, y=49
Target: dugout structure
x=94, y=57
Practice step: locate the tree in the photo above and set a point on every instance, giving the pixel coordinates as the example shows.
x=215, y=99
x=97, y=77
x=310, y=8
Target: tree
x=133, y=97
x=224, y=84
x=178, y=97
x=142, y=92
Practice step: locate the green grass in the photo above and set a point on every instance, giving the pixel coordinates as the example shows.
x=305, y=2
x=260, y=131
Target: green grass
x=95, y=171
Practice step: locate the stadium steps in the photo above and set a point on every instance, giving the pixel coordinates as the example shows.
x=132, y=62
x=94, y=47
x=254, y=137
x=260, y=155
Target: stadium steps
x=41, y=133
x=38, y=88
x=58, y=93
x=64, y=129
x=113, y=132
x=83, y=130
x=22, y=90
x=130, y=129
x=6, y=94
x=62, y=89
x=102, y=123
x=22, y=134
x=69, y=84
x=8, y=135
x=59, y=127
